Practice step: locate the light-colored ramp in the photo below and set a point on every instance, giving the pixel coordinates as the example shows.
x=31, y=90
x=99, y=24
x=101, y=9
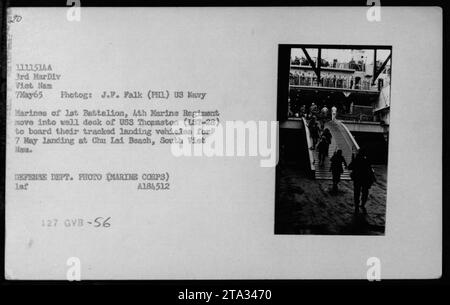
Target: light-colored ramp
x=342, y=139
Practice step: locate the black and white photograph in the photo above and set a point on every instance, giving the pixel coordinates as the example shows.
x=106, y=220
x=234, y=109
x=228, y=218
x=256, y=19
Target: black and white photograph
x=334, y=134
x=222, y=144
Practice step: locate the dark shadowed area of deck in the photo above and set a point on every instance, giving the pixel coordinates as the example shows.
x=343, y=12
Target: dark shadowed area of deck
x=307, y=206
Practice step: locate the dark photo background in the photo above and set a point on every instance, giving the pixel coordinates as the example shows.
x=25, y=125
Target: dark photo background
x=347, y=79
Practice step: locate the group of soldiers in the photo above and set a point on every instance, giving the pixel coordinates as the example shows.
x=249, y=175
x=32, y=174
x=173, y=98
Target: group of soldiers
x=328, y=80
x=362, y=173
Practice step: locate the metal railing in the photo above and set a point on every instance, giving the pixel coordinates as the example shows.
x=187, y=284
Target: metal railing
x=357, y=117
x=330, y=65
x=328, y=82
x=309, y=144
x=349, y=138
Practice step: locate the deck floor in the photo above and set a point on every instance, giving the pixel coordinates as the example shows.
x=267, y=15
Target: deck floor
x=307, y=206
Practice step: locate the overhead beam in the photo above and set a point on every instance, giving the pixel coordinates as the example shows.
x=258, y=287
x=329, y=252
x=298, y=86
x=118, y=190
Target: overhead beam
x=319, y=63
x=377, y=72
x=311, y=62
x=374, y=65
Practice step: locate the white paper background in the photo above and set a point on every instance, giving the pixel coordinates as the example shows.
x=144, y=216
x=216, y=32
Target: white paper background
x=218, y=222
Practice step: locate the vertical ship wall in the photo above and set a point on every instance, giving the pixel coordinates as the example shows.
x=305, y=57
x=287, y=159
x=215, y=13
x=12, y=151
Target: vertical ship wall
x=293, y=147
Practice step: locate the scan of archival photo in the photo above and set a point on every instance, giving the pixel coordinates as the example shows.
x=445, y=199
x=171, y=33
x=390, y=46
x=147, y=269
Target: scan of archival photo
x=333, y=109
